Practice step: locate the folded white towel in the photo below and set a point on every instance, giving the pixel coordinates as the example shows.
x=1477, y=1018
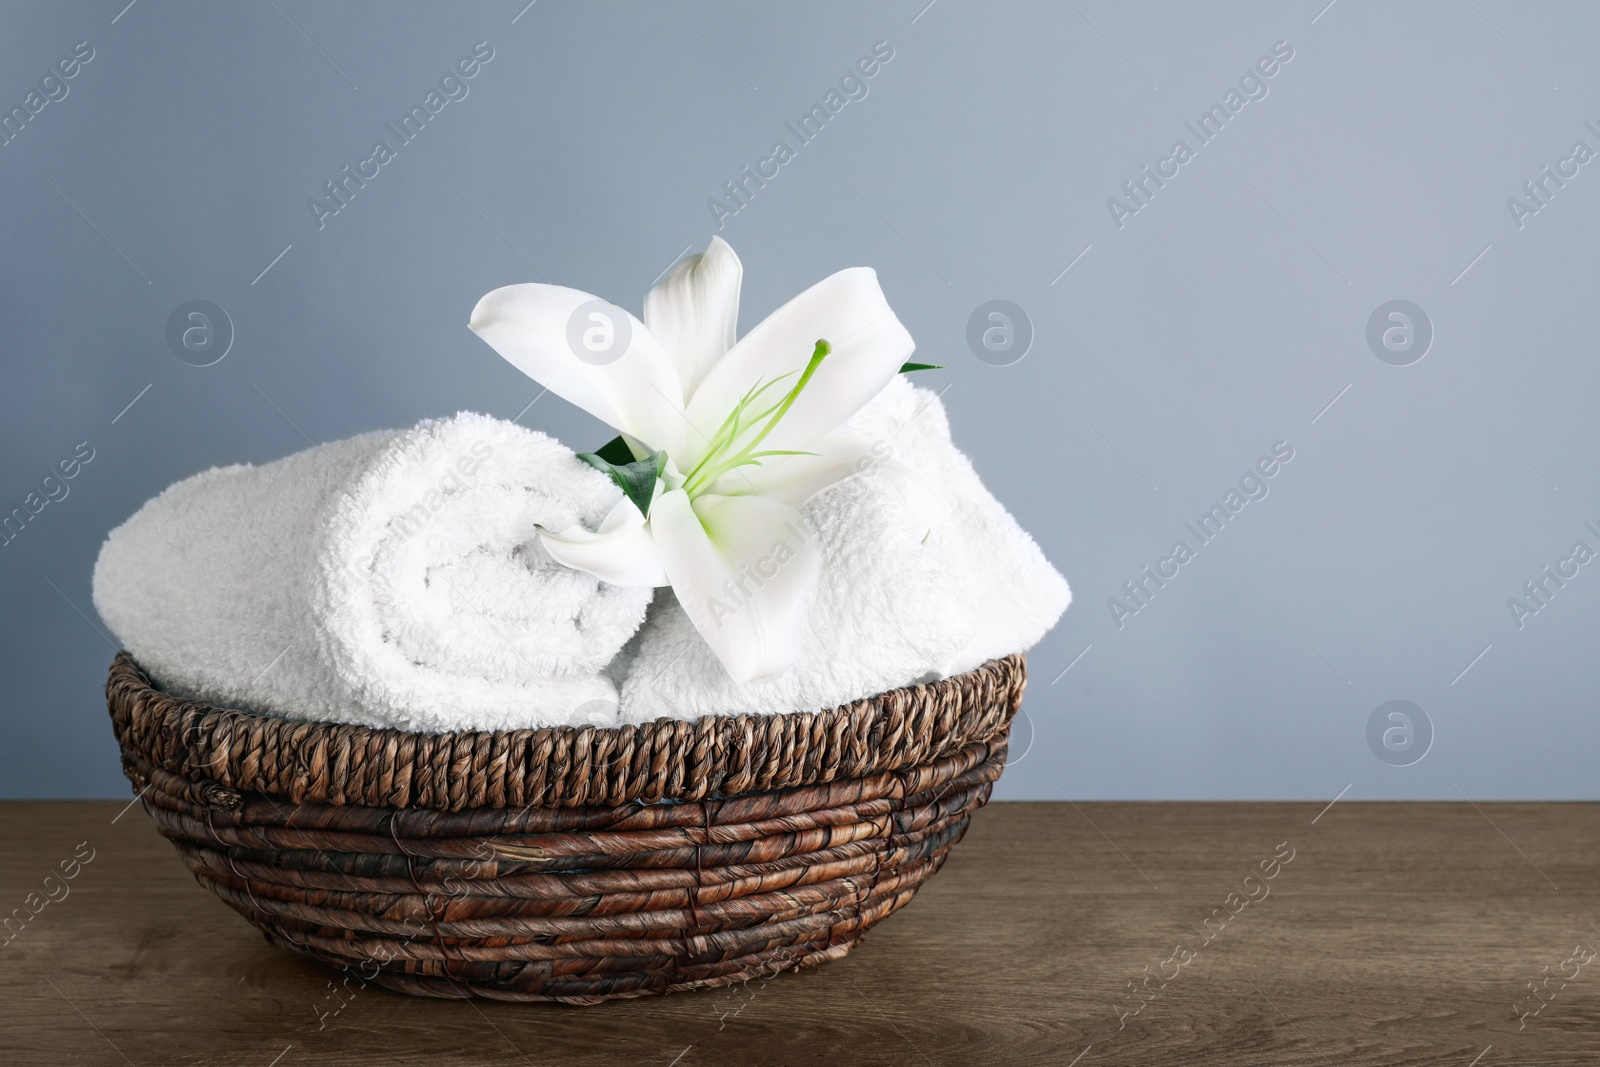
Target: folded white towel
x=889, y=609
x=391, y=579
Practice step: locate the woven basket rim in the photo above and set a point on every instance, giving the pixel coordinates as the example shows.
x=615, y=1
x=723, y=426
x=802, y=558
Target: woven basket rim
x=668, y=760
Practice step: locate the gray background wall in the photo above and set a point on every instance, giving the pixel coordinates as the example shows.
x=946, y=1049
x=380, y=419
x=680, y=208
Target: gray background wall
x=1222, y=317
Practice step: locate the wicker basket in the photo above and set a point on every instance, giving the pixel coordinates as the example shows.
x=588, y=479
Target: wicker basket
x=569, y=864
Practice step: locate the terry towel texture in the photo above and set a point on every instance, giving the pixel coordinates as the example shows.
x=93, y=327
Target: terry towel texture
x=391, y=579
x=394, y=579
x=890, y=609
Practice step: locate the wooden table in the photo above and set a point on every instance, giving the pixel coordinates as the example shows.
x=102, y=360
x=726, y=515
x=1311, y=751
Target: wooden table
x=1361, y=934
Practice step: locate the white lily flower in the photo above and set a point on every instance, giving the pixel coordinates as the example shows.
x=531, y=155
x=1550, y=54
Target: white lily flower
x=751, y=430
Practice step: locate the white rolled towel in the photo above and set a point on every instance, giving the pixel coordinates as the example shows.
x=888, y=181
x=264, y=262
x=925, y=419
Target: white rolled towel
x=892, y=607
x=391, y=579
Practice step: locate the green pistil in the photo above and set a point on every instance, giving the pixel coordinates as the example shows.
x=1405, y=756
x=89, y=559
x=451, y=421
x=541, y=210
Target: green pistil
x=728, y=432
x=704, y=472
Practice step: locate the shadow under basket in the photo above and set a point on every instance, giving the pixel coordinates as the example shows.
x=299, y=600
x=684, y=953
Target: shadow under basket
x=570, y=864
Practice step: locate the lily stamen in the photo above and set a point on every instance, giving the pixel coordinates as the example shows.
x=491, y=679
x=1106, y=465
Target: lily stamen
x=694, y=484
x=721, y=439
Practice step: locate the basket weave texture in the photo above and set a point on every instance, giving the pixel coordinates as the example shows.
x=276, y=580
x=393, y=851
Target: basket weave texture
x=570, y=864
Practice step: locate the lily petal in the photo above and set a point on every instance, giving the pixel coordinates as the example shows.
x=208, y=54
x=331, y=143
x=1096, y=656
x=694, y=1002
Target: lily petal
x=849, y=311
x=793, y=480
x=845, y=456
x=694, y=310
x=621, y=551
x=636, y=391
x=743, y=567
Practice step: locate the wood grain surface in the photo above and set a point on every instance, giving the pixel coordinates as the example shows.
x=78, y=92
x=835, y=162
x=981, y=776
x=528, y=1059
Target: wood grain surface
x=1087, y=934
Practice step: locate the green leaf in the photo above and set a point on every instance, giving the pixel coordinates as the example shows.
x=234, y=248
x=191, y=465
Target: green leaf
x=907, y=368
x=615, y=451
x=636, y=478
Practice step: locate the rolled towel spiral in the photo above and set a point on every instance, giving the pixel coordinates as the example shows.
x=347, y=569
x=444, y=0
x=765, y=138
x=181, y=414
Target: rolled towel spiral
x=392, y=579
